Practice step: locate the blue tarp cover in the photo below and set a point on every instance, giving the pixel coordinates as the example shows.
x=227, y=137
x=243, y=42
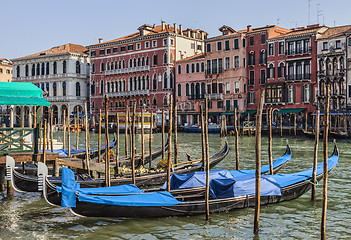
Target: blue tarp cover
x=123, y=189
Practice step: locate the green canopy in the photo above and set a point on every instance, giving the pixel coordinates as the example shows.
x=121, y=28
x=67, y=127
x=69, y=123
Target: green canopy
x=213, y=113
x=16, y=93
x=249, y=112
x=228, y=113
x=290, y=110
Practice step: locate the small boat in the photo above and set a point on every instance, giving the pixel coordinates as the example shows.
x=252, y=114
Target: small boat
x=54, y=198
x=226, y=194
x=212, y=128
x=338, y=135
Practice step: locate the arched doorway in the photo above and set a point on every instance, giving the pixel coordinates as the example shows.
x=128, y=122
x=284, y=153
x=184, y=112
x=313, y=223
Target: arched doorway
x=55, y=113
x=63, y=109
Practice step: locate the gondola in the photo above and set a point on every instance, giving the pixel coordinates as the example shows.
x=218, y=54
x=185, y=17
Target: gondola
x=54, y=198
x=226, y=194
x=310, y=134
x=29, y=183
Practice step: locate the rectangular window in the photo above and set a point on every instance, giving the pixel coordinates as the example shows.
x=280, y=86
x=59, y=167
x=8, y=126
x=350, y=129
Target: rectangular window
x=130, y=47
x=199, y=47
x=227, y=63
x=306, y=46
x=251, y=97
x=192, y=45
x=271, y=49
x=208, y=67
x=138, y=46
x=220, y=104
x=236, y=44
x=123, y=48
x=263, y=76
x=298, y=49
x=236, y=61
x=235, y=103
x=227, y=88
x=93, y=53
x=219, y=46
x=244, y=43
x=251, y=40
x=325, y=45
x=115, y=50
x=108, y=51
x=147, y=44
x=281, y=48
x=154, y=43
x=226, y=45
x=263, y=38
x=236, y=87
x=290, y=48
x=252, y=78
x=165, y=42
x=244, y=62
x=338, y=44
x=214, y=66
x=349, y=42
x=102, y=52
x=220, y=65
x=172, y=42
x=208, y=47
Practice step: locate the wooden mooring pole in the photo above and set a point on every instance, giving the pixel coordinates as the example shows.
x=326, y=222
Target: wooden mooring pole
x=169, y=158
x=107, y=148
x=236, y=143
x=86, y=138
x=203, y=137
x=207, y=165
x=133, y=143
x=281, y=125
x=325, y=162
x=315, y=157
x=258, y=162
x=270, y=157
x=142, y=137
x=99, y=137
x=77, y=130
x=117, y=145
x=44, y=142
x=51, y=130
x=126, y=132
x=64, y=128
x=68, y=131
x=163, y=134
x=150, y=139
x=175, y=134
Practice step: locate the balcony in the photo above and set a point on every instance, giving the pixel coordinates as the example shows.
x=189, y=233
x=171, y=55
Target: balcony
x=298, y=77
x=213, y=96
x=50, y=76
x=129, y=93
x=66, y=98
x=127, y=70
x=195, y=97
x=300, y=51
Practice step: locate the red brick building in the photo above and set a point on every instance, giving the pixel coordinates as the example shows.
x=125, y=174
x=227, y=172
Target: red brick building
x=140, y=67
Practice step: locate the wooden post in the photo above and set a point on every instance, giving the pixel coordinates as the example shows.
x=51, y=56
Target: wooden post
x=325, y=162
x=207, y=165
x=163, y=134
x=77, y=130
x=236, y=143
x=126, y=132
x=169, y=158
x=133, y=142
x=69, y=131
x=270, y=158
x=345, y=123
x=2, y=179
x=117, y=145
x=150, y=139
x=306, y=121
x=281, y=125
x=315, y=157
x=248, y=125
x=294, y=124
x=289, y=124
x=64, y=128
x=35, y=117
x=51, y=130
x=107, y=148
x=175, y=134
x=258, y=162
x=86, y=138
x=142, y=137
x=203, y=137
x=44, y=143
x=99, y=137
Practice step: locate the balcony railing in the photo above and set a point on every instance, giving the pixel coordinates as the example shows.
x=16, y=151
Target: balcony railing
x=292, y=77
x=198, y=96
x=212, y=96
x=50, y=76
x=127, y=70
x=299, y=51
x=129, y=93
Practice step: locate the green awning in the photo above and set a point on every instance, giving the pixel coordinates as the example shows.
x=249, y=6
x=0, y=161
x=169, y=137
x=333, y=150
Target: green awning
x=249, y=112
x=214, y=113
x=16, y=93
x=291, y=110
x=228, y=113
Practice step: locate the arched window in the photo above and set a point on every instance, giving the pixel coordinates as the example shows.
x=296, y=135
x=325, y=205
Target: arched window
x=101, y=87
x=154, y=60
x=54, y=89
x=154, y=101
x=123, y=64
x=179, y=69
x=139, y=83
x=154, y=82
x=187, y=68
x=108, y=66
x=64, y=66
x=42, y=87
x=38, y=69
x=93, y=68
x=192, y=68
x=202, y=67
x=179, y=90
x=102, y=67
x=171, y=80
x=335, y=66
x=26, y=70
x=165, y=101
x=18, y=71
x=130, y=83
x=139, y=63
x=130, y=63
x=281, y=70
x=192, y=90
x=197, y=67
x=42, y=69
x=171, y=58
x=143, y=83
x=47, y=68
x=77, y=67
x=55, y=68
x=119, y=64
x=135, y=62
x=165, y=58
x=197, y=90
x=78, y=89
x=271, y=71
x=147, y=61
x=108, y=87
x=165, y=81
x=135, y=83
x=33, y=70
x=187, y=89
x=143, y=61
x=48, y=89
x=202, y=95
x=341, y=60
x=147, y=82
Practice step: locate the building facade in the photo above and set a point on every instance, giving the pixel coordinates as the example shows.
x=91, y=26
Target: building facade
x=5, y=70
x=62, y=73
x=140, y=67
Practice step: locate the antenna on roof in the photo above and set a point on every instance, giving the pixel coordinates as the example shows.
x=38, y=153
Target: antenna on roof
x=278, y=21
x=309, y=11
x=319, y=12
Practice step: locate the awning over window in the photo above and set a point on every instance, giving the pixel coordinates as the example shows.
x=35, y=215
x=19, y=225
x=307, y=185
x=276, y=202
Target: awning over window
x=228, y=113
x=291, y=110
x=249, y=112
x=214, y=113
x=27, y=94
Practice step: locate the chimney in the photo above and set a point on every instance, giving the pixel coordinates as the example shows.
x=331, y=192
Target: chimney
x=175, y=28
x=154, y=26
x=100, y=40
x=181, y=29
x=163, y=25
x=249, y=28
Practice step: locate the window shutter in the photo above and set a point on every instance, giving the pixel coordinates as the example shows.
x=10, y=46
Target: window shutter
x=311, y=93
x=302, y=93
x=294, y=95
x=253, y=97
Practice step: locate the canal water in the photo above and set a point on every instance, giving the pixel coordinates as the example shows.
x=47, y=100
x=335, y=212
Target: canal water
x=28, y=216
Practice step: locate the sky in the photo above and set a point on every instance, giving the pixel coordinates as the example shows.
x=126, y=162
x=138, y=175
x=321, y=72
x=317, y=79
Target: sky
x=33, y=26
